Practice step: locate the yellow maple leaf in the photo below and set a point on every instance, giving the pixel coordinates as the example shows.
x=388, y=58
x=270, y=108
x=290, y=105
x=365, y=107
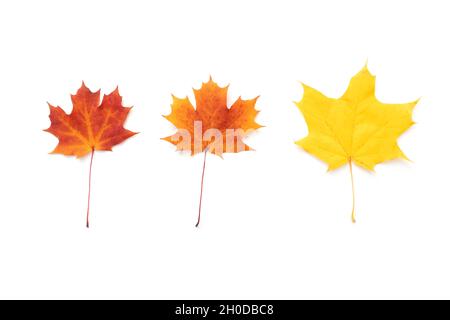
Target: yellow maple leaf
x=356, y=128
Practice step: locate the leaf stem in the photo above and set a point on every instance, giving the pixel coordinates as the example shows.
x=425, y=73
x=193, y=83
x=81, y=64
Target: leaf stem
x=201, y=189
x=353, y=190
x=89, y=193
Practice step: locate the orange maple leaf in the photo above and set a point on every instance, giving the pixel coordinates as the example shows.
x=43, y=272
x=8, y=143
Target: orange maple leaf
x=211, y=126
x=90, y=126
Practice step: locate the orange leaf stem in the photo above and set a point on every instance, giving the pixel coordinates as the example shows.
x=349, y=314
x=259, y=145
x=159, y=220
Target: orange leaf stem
x=89, y=192
x=201, y=189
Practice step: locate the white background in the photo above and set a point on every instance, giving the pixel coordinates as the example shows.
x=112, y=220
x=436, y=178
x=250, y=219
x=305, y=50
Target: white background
x=275, y=224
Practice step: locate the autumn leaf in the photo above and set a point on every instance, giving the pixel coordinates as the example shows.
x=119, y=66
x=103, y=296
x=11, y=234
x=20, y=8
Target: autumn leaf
x=214, y=119
x=211, y=126
x=354, y=129
x=91, y=126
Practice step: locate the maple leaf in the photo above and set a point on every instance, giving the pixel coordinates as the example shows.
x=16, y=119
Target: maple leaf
x=228, y=125
x=211, y=126
x=356, y=128
x=91, y=126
